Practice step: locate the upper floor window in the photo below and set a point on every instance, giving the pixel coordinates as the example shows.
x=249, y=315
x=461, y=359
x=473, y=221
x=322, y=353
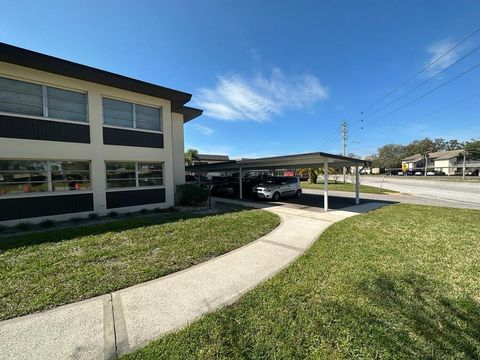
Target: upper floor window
x=21, y=97
x=131, y=115
x=31, y=176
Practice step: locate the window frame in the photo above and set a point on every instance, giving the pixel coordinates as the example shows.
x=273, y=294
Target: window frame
x=45, y=102
x=49, y=181
x=134, y=115
x=137, y=178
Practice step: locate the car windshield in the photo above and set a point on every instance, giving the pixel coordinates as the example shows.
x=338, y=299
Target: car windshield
x=272, y=182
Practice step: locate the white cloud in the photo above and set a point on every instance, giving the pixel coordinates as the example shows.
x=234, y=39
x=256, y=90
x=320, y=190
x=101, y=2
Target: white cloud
x=204, y=130
x=236, y=97
x=437, y=50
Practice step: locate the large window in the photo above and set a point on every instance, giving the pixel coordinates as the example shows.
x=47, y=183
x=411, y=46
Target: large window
x=127, y=114
x=134, y=174
x=31, y=176
x=26, y=98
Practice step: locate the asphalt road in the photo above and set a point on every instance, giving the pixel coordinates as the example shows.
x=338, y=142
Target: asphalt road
x=454, y=192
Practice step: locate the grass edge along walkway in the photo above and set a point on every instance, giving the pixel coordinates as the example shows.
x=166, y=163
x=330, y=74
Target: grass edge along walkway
x=39, y=271
x=378, y=285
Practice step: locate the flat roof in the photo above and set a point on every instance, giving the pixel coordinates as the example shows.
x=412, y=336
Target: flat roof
x=306, y=160
x=35, y=60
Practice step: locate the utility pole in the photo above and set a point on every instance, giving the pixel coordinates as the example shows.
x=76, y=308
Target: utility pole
x=464, y=164
x=344, y=147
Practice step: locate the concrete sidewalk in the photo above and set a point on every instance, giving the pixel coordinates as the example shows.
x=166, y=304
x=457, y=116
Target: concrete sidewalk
x=110, y=325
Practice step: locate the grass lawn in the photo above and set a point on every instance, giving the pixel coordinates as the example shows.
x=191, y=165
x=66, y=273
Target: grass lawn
x=401, y=282
x=43, y=270
x=340, y=186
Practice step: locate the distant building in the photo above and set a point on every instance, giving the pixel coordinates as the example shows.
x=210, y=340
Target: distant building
x=210, y=159
x=449, y=162
x=204, y=159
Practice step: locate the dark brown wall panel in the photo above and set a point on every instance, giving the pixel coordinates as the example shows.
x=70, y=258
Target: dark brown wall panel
x=36, y=206
x=34, y=129
x=125, y=137
x=117, y=199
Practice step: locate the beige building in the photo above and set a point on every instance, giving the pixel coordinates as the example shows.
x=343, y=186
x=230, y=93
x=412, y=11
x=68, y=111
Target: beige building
x=448, y=162
x=76, y=140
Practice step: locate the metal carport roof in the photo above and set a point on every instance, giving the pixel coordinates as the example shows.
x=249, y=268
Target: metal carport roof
x=307, y=160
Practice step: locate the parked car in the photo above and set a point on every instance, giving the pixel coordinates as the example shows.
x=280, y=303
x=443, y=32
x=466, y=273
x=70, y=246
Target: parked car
x=277, y=187
x=418, y=173
x=472, y=173
x=400, y=173
x=191, y=178
x=431, y=173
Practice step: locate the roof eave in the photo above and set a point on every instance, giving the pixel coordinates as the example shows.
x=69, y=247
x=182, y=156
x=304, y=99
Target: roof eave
x=34, y=60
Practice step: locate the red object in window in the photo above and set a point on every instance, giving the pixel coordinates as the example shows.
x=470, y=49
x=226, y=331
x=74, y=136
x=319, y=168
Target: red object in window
x=77, y=186
x=27, y=188
x=288, y=173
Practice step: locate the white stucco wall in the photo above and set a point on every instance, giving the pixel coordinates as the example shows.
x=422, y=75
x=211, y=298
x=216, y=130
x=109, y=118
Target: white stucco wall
x=96, y=151
x=178, y=149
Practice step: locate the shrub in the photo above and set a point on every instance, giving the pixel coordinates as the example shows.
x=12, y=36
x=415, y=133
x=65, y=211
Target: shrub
x=144, y=211
x=112, y=213
x=76, y=219
x=2, y=228
x=23, y=226
x=92, y=215
x=47, y=223
x=189, y=194
x=128, y=214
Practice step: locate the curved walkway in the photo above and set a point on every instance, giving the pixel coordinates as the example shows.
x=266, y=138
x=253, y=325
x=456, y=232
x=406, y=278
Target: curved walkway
x=113, y=324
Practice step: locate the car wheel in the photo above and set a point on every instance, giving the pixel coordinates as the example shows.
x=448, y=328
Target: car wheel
x=298, y=194
x=276, y=196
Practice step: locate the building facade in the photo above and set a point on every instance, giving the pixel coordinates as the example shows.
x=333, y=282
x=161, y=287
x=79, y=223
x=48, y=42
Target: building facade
x=450, y=162
x=76, y=140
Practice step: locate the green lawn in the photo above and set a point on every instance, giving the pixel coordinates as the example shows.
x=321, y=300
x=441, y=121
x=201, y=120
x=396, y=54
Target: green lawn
x=401, y=282
x=340, y=186
x=43, y=270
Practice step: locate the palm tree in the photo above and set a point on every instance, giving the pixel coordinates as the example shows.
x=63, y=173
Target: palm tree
x=312, y=174
x=190, y=156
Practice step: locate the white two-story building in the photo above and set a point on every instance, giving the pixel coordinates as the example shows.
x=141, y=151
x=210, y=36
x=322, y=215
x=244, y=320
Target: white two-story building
x=76, y=140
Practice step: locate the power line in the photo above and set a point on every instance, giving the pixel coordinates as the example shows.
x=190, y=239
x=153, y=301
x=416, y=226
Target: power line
x=417, y=73
x=421, y=84
x=336, y=132
x=426, y=94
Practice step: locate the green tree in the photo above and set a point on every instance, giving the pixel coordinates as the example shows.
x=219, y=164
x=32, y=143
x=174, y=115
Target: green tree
x=390, y=156
x=420, y=147
x=473, y=149
x=454, y=145
x=190, y=156
x=439, y=145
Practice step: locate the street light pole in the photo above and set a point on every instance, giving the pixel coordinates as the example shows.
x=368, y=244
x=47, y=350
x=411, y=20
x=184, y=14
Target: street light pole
x=344, y=148
x=426, y=164
x=464, y=164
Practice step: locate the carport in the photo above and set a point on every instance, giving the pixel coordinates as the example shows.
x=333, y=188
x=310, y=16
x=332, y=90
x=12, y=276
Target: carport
x=296, y=161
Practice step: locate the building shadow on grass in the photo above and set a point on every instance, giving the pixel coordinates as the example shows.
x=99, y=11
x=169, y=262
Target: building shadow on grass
x=127, y=223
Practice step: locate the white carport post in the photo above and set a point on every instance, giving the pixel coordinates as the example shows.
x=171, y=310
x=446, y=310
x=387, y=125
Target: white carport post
x=325, y=185
x=357, y=186
x=241, y=183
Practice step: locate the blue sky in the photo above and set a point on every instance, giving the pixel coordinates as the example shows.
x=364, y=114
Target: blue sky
x=277, y=77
